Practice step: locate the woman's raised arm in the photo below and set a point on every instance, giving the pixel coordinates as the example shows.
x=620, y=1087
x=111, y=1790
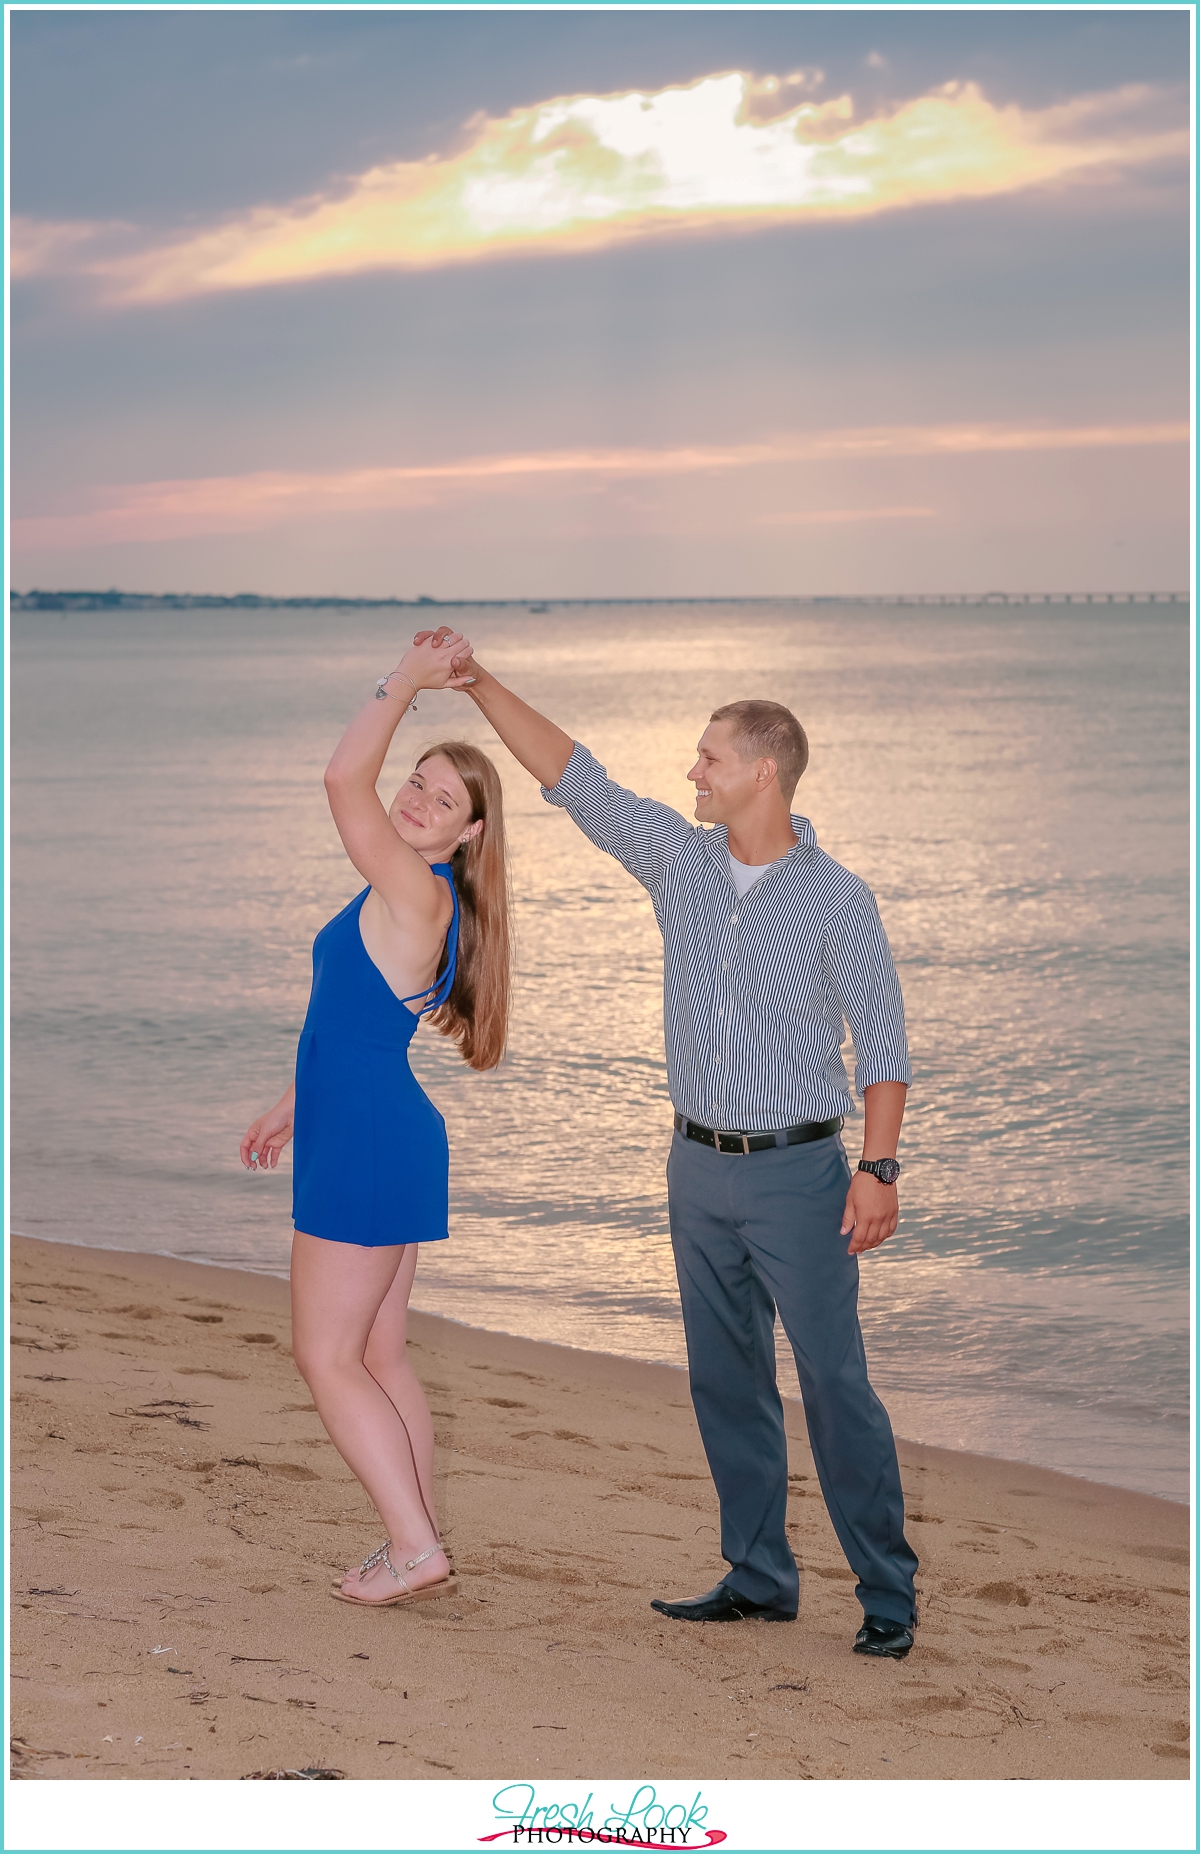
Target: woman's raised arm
x=400, y=875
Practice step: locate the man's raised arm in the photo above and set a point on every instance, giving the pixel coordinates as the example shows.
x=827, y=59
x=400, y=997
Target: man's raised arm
x=643, y=835
x=542, y=748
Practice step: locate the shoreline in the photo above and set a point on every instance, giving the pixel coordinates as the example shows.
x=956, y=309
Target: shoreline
x=178, y=1513
x=790, y=1403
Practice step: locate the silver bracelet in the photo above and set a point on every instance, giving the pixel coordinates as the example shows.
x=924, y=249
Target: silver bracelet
x=381, y=687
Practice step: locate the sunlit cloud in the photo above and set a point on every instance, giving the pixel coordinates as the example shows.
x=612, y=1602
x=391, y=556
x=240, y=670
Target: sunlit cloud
x=583, y=171
x=182, y=507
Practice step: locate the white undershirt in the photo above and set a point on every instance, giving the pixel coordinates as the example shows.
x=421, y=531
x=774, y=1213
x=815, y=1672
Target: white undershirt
x=745, y=875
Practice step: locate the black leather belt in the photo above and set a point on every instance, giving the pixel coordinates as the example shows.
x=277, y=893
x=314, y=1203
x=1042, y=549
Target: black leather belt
x=758, y=1142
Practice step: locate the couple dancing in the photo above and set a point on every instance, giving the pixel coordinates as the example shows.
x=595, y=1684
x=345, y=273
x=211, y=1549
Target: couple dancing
x=770, y=948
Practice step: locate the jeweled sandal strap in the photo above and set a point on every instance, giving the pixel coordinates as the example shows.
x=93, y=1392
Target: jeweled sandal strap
x=431, y=1553
x=376, y=1557
x=412, y=1563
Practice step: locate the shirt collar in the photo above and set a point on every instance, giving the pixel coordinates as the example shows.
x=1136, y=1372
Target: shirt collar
x=717, y=838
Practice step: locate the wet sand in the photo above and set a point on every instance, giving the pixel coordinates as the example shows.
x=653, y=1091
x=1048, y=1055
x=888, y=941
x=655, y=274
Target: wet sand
x=178, y=1514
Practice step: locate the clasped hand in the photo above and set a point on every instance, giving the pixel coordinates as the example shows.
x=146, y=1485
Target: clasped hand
x=459, y=650
x=434, y=658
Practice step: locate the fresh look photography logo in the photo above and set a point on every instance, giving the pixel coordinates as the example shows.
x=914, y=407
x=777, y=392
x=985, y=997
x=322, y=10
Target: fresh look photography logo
x=646, y=1821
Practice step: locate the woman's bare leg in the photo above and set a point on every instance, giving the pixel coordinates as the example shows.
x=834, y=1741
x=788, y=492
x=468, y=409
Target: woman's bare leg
x=338, y=1290
x=386, y=1358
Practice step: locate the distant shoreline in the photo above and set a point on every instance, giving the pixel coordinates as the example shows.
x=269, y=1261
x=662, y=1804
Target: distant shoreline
x=113, y=600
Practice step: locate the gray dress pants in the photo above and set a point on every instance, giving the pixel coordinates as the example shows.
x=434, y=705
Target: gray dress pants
x=752, y=1233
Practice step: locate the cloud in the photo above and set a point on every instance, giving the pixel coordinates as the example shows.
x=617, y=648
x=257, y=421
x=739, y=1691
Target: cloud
x=38, y=246
x=575, y=172
x=835, y=518
x=181, y=507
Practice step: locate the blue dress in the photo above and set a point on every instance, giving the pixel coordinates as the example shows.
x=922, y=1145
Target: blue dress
x=371, y=1163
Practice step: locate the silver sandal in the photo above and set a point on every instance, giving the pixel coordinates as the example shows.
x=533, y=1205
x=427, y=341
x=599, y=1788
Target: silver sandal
x=380, y=1556
x=443, y=1586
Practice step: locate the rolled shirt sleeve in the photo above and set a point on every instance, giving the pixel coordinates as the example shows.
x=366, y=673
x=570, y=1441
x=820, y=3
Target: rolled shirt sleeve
x=859, y=965
x=641, y=834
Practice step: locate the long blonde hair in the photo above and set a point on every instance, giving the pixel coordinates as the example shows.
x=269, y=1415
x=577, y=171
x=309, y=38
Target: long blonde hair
x=475, y=1015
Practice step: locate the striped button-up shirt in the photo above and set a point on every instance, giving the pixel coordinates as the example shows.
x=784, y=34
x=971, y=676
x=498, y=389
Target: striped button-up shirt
x=757, y=990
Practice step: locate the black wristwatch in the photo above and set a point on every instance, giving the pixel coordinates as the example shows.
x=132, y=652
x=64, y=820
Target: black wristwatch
x=886, y=1170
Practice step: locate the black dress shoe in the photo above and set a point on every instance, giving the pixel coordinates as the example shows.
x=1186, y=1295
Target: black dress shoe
x=880, y=1635
x=722, y=1605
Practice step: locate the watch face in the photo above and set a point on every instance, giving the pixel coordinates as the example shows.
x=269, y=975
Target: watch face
x=886, y=1170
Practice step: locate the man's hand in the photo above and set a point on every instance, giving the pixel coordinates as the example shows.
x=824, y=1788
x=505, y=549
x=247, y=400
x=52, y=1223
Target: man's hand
x=872, y=1212
x=463, y=664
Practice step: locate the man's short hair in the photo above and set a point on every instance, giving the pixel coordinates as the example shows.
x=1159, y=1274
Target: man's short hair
x=768, y=731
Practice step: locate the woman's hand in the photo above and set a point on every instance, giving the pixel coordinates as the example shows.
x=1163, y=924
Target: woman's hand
x=465, y=670
x=266, y=1138
x=430, y=662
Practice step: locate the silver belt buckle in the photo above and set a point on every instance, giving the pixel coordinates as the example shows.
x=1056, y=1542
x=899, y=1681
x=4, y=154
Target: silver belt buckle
x=719, y=1135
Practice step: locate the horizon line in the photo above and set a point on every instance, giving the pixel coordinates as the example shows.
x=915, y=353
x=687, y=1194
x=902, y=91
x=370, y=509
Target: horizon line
x=112, y=597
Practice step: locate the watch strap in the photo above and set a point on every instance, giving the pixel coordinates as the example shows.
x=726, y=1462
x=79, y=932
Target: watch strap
x=886, y=1170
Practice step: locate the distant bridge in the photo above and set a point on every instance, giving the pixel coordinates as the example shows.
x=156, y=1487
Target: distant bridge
x=1003, y=598
x=80, y=601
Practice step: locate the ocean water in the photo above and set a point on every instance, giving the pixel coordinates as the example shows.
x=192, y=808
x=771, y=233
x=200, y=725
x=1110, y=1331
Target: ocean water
x=1013, y=784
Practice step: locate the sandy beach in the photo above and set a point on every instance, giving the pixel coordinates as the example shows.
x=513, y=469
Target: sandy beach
x=178, y=1514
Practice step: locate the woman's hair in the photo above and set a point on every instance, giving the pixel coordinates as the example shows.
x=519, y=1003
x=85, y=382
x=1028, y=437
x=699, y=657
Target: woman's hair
x=475, y=1015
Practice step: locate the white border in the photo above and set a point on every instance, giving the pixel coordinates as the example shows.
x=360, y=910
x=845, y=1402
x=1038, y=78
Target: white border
x=454, y=1815
x=6, y=902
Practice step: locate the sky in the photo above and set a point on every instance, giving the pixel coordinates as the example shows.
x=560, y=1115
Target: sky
x=572, y=303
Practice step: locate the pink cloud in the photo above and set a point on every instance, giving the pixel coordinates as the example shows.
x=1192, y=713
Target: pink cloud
x=179, y=507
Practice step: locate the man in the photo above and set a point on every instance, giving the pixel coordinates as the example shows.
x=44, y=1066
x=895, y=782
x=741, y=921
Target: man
x=769, y=945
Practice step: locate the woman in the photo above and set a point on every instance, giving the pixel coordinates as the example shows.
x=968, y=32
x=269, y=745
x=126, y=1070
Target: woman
x=429, y=934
